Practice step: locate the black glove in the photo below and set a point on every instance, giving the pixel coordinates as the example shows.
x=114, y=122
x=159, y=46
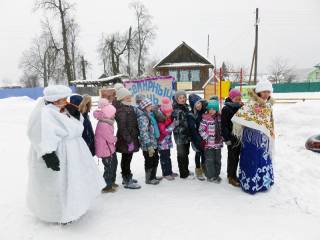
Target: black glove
x=52, y=161
x=73, y=110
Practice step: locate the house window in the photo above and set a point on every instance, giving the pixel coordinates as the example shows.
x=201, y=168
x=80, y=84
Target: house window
x=195, y=75
x=317, y=75
x=174, y=73
x=184, y=76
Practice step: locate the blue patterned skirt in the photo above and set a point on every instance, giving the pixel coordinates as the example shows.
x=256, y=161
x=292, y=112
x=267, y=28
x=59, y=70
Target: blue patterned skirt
x=256, y=172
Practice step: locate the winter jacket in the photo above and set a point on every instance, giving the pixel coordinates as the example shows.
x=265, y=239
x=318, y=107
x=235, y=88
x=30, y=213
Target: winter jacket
x=181, y=133
x=165, y=140
x=207, y=131
x=194, y=119
x=155, y=125
x=104, y=137
x=230, y=108
x=159, y=116
x=128, y=130
x=88, y=134
x=147, y=137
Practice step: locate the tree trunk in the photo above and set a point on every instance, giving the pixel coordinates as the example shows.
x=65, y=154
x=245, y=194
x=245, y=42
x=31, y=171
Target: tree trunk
x=45, y=73
x=129, y=48
x=73, y=60
x=65, y=44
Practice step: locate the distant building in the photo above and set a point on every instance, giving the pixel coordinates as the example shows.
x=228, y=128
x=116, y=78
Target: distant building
x=314, y=75
x=188, y=67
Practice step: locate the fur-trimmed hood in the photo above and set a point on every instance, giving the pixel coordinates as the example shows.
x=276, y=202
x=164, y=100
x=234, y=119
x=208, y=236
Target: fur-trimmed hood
x=254, y=97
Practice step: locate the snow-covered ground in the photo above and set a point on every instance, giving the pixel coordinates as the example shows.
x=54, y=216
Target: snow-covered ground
x=182, y=209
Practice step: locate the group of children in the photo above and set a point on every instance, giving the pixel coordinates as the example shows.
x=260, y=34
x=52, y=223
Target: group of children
x=142, y=125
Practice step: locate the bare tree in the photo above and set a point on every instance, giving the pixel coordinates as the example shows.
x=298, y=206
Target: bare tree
x=112, y=49
x=73, y=33
x=143, y=34
x=29, y=80
x=281, y=71
x=62, y=8
x=41, y=58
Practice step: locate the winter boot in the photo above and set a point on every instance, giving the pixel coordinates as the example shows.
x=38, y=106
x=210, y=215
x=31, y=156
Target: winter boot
x=130, y=184
x=169, y=177
x=108, y=190
x=203, y=167
x=154, y=174
x=190, y=176
x=215, y=180
x=174, y=174
x=234, y=182
x=199, y=174
x=114, y=185
x=133, y=180
x=149, y=177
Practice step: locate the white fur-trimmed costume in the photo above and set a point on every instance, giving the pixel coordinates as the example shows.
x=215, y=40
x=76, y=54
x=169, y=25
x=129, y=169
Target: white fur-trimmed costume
x=65, y=195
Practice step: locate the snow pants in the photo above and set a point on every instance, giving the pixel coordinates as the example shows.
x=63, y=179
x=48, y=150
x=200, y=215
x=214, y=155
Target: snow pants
x=213, y=163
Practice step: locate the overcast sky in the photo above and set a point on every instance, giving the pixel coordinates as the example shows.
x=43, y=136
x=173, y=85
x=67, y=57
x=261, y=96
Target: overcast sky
x=288, y=28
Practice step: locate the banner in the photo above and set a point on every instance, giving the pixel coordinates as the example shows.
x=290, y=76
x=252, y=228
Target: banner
x=153, y=88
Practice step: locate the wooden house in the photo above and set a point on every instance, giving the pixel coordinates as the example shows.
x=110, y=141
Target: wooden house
x=188, y=67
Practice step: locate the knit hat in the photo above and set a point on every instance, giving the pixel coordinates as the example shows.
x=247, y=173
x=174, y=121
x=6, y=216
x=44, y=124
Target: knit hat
x=214, y=98
x=166, y=105
x=118, y=86
x=234, y=93
x=122, y=93
x=213, y=105
x=193, y=99
x=55, y=92
x=264, y=85
x=139, y=98
x=76, y=99
x=179, y=93
x=145, y=103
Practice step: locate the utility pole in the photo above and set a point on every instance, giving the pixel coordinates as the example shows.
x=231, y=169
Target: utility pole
x=83, y=66
x=256, y=47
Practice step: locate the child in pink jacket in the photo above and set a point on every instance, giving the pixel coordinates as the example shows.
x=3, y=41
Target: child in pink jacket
x=105, y=143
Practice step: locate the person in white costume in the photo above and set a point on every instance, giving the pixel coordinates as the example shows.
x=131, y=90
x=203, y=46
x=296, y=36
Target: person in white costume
x=63, y=178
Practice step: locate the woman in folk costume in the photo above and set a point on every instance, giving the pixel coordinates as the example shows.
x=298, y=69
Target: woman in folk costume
x=63, y=179
x=254, y=125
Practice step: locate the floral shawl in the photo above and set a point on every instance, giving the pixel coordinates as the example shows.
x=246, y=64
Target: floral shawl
x=256, y=114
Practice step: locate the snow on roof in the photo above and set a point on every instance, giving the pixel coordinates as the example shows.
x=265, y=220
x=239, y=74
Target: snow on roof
x=101, y=80
x=184, y=64
x=158, y=65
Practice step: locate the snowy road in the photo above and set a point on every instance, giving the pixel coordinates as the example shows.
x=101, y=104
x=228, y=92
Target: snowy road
x=183, y=209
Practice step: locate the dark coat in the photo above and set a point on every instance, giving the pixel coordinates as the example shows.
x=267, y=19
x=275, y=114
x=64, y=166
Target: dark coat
x=194, y=119
x=128, y=130
x=227, y=113
x=181, y=133
x=88, y=133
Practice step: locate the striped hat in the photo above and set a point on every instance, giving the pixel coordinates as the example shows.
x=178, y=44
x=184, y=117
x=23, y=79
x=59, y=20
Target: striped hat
x=145, y=103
